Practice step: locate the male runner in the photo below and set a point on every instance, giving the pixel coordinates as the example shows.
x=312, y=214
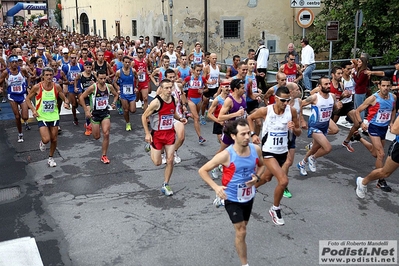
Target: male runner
x=161, y=112
x=46, y=94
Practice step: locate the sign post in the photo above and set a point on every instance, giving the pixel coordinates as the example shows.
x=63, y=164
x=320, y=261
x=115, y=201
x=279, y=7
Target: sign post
x=358, y=23
x=332, y=35
x=304, y=18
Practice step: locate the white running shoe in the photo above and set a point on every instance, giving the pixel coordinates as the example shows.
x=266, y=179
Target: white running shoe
x=312, y=163
x=20, y=138
x=177, y=159
x=214, y=172
x=302, y=168
x=166, y=190
x=361, y=189
x=163, y=156
x=42, y=146
x=51, y=162
x=276, y=216
x=218, y=202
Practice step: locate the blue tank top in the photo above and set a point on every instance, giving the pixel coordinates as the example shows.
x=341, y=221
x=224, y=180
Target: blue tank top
x=118, y=64
x=197, y=58
x=238, y=172
x=233, y=71
x=71, y=72
x=126, y=83
x=380, y=113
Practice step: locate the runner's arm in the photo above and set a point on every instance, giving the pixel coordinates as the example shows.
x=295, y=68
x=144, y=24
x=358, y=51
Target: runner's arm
x=222, y=158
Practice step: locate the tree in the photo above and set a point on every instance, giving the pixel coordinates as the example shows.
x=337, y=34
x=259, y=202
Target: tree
x=57, y=13
x=377, y=36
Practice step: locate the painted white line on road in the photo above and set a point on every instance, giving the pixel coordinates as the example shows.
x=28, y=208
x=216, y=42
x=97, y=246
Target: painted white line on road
x=20, y=252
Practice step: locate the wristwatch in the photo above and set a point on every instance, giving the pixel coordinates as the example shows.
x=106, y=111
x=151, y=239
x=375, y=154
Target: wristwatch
x=252, y=133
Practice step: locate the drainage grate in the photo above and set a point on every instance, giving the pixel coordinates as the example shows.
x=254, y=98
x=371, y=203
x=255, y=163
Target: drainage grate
x=10, y=193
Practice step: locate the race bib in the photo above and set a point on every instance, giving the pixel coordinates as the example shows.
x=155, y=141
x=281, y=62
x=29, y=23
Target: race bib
x=101, y=103
x=73, y=75
x=16, y=89
x=277, y=140
x=166, y=122
x=127, y=89
x=48, y=106
x=142, y=77
x=291, y=78
x=197, y=59
x=244, y=193
x=325, y=114
x=383, y=116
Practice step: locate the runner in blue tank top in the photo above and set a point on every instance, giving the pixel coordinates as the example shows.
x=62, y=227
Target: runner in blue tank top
x=126, y=82
x=391, y=164
x=242, y=165
x=381, y=114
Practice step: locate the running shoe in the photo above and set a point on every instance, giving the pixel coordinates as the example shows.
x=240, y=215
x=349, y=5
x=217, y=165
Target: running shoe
x=287, y=193
x=214, y=172
x=104, y=159
x=166, y=190
x=51, y=162
x=356, y=136
x=75, y=121
x=177, y=159
x=27, y=127
x=20, y=138
x=202, y=120
x=147, y=147
x=59, y=129
x=4, y=100
x=218, y=202
x=42, y=146
x=365, y=133
x=302, y=168
x=312, y=163
x=163, y=157
x=309, y=146
x=120, y=111
x=88, y=129
x=348, y=146
x=383, y=185
x=201, y=140
x=128, y=127
x=276, y=216
x=361, y=189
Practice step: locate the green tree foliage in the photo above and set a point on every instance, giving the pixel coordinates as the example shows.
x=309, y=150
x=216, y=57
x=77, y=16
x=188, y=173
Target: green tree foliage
x=377, y=36
x=57, y=13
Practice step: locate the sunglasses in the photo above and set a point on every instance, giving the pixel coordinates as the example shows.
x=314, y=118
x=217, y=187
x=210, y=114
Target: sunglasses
x=283, y=99
x=292, y=59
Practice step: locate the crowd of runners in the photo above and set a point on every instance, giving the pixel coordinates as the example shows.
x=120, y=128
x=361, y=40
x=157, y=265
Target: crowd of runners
x=43, y=69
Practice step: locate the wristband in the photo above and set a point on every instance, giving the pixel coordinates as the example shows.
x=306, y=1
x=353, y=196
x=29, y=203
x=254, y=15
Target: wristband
x=257, y=177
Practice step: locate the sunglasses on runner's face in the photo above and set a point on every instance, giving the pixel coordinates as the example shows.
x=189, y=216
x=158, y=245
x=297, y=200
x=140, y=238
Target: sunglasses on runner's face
x=283, y=99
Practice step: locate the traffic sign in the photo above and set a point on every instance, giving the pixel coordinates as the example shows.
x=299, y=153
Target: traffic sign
x=304, y=3
x=305, y=18
x=332, y=31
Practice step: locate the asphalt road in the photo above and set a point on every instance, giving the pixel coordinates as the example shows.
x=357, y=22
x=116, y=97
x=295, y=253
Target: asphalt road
x=83, y=212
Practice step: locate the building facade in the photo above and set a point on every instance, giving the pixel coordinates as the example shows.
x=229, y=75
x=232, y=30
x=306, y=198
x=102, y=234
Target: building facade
x=231, y=27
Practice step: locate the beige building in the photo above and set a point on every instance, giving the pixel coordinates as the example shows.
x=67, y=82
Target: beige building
x=232, y=26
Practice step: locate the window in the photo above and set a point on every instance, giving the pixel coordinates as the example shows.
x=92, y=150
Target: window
x=73, y=24
x=232, y=29
x=94, y=27
x=134, y=27
x=104, y=28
